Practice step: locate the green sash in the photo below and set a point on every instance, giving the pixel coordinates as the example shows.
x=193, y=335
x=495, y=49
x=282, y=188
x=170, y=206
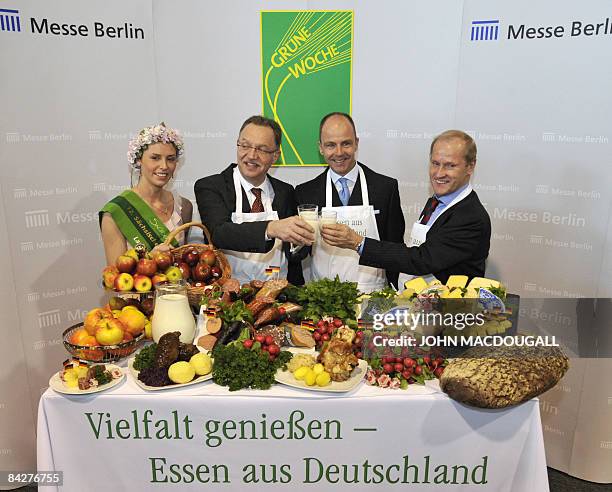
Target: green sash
x=136, y=220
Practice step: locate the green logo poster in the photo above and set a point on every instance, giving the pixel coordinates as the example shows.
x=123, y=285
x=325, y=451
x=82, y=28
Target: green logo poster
x=306, y=68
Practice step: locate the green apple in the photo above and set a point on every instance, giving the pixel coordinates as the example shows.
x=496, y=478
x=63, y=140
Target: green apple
x=174, y=274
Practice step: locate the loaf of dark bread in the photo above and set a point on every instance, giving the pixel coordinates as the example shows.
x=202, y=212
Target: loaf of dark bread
x=498, y=377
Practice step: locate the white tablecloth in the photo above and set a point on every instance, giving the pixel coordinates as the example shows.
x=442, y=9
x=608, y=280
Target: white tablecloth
x=503, y=449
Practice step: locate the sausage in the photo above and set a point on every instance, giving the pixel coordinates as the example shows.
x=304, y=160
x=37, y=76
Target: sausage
x=267, y=316
x=207, y=342
x=257, y=305
x=213, y=325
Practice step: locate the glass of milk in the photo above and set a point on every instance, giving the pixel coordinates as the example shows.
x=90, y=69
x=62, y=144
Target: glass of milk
x=328, y=217
x=172, y=312
x=310, y=213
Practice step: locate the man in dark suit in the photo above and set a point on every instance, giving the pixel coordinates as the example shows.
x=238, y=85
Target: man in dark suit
x=453, y=233
x=338, y=143
x=263, y=217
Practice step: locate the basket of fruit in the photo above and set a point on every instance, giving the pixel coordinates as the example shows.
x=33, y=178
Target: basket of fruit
x=201, y=264
x=98, y=347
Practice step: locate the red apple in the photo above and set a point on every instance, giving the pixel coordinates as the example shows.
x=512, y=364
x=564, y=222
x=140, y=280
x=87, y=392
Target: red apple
x=191, y=256
x=185, y=269
x=124, y=282
x=163, y=259
x=126, y=264
x=215, y=272
x=142, y=283
x=159, y=278
x=109, y=274
x=93, y=316
x=208, y=257
x=109, y=332
x=146, y=267
x=201, y=271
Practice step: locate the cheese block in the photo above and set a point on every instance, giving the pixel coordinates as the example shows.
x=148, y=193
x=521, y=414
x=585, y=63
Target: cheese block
x=471, y=294
x=456, y=281
x=452, y=294
x=417, y=284
x=407, y=293
x=485, y=283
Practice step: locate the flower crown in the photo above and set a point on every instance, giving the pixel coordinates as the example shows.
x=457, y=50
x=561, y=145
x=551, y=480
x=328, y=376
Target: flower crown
x=150, y=135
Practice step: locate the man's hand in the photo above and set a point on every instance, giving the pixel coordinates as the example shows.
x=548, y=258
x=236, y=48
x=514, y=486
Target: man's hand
x=293, y=230
x=341, y=236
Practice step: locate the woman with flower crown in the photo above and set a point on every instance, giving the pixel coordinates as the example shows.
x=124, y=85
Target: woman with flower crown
x=146, y=213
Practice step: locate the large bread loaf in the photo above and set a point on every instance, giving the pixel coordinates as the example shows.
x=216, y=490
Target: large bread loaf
x=498, y=377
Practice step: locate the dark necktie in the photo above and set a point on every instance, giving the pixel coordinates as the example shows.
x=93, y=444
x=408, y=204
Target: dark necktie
x=257, y=206
x=430, y=206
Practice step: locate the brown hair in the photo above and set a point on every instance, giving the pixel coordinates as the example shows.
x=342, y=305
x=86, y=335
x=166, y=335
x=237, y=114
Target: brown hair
x=263, y=121
x=470, y=145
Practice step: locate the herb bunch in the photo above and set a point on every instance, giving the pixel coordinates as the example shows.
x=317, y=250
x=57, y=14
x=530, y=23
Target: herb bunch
x=238, y=367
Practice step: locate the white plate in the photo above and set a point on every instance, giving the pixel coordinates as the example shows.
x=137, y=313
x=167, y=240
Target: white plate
x=56, y=383
x=134, y=373
x=286, y=377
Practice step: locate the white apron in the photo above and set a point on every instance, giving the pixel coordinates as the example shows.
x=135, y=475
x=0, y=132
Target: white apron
x=419, y=231
x=248, y=266
x=329, y=261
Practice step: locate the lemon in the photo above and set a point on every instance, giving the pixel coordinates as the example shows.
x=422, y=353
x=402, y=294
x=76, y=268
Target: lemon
x=323, y=379
x=310, y=377
x=128, y=307
x=181, y=372
x=318, y=369
x=202, y=363
x=300, y=372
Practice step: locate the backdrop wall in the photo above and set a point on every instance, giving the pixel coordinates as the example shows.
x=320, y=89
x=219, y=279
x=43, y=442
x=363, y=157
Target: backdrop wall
x=538, y=108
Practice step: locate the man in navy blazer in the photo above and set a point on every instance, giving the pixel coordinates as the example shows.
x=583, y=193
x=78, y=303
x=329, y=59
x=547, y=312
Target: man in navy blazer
x=454, y=225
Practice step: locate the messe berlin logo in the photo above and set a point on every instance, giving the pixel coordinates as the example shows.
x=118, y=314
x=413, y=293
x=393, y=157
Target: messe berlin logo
x=484, y=30
x=9, y=20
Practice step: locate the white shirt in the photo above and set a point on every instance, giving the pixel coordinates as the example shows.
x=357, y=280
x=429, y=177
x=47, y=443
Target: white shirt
x=267, y=192
x=351, y=179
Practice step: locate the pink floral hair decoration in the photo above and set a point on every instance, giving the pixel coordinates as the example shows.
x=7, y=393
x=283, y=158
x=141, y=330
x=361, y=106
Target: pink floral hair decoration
x=151, y=135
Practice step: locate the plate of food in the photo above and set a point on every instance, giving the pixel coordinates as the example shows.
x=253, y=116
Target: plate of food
x=80, y=378
x=170, y=364
x=335, y=369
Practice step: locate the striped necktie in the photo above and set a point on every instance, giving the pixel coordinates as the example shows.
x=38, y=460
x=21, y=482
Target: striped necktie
x=430, y=206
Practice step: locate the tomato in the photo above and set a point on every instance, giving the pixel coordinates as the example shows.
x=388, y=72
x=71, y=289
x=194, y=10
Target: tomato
x=399, y=367
x=409, y=362
x=274, y=349
x=248, y=343
x=321, y=323
x=418, y=370
x=438, y=372
x=338, y=323
x=406, y=374
x=323, y=330
x=269, y=340
x=388, y=368
x=260, y=338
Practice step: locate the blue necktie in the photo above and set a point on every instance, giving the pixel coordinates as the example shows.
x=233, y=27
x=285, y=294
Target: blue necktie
x=344, y=192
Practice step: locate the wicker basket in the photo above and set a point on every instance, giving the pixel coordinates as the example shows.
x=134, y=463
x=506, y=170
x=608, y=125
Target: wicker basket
x=195, y=293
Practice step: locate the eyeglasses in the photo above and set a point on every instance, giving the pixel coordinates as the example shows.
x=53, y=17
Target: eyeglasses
x=258, y=150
